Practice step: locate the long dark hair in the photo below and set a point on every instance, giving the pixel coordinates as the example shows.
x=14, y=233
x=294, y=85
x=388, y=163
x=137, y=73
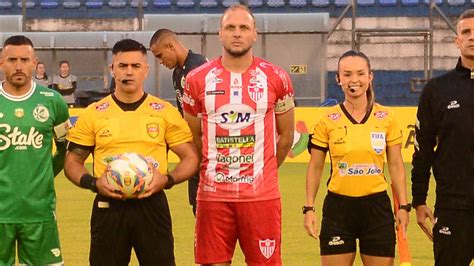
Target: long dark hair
x=370, y=92
x=45, y=77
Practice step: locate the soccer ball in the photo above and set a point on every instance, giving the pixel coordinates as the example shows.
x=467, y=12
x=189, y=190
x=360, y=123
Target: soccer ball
x=129, y=173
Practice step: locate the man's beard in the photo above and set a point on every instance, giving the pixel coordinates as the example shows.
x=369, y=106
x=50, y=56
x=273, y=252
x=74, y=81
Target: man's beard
x=239, y=53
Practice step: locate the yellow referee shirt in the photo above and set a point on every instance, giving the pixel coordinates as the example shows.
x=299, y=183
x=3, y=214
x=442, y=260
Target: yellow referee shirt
x=148, y=130
x=357, y=149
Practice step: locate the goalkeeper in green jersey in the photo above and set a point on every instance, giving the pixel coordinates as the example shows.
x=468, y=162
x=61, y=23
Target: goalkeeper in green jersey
x=31, y=116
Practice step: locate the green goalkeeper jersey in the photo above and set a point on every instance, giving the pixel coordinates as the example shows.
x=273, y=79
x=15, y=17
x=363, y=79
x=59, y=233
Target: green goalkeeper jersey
x=28, y=125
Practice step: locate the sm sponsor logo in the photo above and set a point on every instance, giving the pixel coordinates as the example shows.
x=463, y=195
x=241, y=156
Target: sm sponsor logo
x=234, y=117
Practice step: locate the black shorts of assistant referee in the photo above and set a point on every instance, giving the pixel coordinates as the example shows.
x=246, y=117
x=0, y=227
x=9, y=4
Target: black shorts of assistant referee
x=117, y=226
x=369, y=219
x=453, y=236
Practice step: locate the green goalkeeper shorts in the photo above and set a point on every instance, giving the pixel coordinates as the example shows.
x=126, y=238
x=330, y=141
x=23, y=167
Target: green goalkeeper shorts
x=38, y=243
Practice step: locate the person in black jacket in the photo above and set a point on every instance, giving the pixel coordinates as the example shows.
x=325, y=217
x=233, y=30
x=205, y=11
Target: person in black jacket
x=445, y=142
x=171, y=53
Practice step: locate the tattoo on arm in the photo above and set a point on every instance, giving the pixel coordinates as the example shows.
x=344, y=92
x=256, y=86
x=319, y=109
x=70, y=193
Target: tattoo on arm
x=82, y=153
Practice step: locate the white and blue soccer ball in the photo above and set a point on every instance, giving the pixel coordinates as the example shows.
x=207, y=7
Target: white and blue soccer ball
x=129, y=173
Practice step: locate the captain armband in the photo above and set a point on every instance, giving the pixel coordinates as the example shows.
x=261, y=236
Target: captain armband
x=60, y=131
x=284, y=105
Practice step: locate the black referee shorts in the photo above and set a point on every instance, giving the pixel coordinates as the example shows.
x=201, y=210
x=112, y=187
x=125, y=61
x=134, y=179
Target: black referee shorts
x=117, y=226
x=453, y=237
x=369, y=219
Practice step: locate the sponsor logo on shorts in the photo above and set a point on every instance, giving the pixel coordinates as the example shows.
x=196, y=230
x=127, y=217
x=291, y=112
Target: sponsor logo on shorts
x=336, y=241
x=56, y=252
x=445, y=231
x=453, y=105
x=267, y=247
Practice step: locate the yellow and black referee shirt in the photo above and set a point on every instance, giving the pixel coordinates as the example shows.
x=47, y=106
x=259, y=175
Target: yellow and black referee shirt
x=357, y=149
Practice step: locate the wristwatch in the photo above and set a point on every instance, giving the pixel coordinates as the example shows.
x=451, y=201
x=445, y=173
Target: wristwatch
x=306, y=209
x=406, y=207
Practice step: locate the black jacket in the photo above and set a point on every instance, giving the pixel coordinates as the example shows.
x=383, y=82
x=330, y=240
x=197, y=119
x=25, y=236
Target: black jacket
x=445, y=118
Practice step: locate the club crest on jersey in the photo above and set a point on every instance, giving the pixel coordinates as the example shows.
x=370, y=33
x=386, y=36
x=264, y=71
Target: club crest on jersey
x=377, y=140
x=255, y=92
x=380, y=114
x=267, y=247
x=41, y=113
x=102, y=107
x=334, y=116
x=153, y=130
x=19, y=112
x=157, y=106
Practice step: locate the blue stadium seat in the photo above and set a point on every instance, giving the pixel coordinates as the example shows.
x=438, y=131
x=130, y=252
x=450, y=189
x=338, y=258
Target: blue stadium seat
x=456, y=2
x=255, y=3
x=134, y=3
x=275, y=3
x=320, y=3
x=28, y=4
x=410, y=2
x=365, y=2
x=49, y=4
x=94, y=3
x=5, y=4
x=161, y=3
x=208, y=3
x=185, y=3
x=227, y=3
x=388, y=2
x=297, y=3
x=117, y=3
x=438, y=2
x=71, y=4
x=341, y=2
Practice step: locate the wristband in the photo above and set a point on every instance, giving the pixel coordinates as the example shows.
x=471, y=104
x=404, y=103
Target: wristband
x=306, y=209
x=170, y=182
x=88, y=182
x=406, y=207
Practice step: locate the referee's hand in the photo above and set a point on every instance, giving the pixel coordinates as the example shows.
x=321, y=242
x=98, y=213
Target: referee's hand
x=157, y=184
x=422, y=213
x=310, y=224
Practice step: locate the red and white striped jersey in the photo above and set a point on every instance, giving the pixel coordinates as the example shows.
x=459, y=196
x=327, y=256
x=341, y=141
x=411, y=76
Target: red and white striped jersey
x=238, y=112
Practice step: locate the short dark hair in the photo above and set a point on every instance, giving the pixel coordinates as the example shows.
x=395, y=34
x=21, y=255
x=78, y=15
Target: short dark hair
x=466, y=14
x=64, y=62
x=18, y=40
x=159, y=34
x=128, y=45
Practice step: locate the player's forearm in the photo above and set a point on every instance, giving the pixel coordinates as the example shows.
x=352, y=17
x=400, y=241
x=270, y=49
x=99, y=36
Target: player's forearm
x=74, y=168
x=188, y=164
x=396, y=169
x=59, y=157
x=283, y=147
x=313, y=175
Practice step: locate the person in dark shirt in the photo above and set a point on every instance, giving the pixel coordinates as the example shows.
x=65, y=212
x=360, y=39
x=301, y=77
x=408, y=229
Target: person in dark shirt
x=445, y=142
x=171, y=53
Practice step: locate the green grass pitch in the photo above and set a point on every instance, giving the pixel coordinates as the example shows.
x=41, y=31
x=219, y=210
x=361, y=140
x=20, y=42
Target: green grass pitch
x=298, y=249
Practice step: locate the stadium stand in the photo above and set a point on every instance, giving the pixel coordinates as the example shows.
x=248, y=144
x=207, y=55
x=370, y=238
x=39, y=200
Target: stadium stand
x=47, y=4
x=255, y=3
x=28, y=4
x=185, y=3
x=6, y=4
x=297, y=3
x=162, y=3
x=94, y=3
x=71, y=4
x=275, y=3
x=117, y=3
x=134, y=3
x=208, y=3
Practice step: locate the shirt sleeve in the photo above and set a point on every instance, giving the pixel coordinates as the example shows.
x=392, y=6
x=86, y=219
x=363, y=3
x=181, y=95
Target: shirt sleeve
x=61, y=121
x=319, y=135
x=394, y=132
x=425, y=142
x=192, y=88
x=82, y=132
x=284, y=93
x=177, y=130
